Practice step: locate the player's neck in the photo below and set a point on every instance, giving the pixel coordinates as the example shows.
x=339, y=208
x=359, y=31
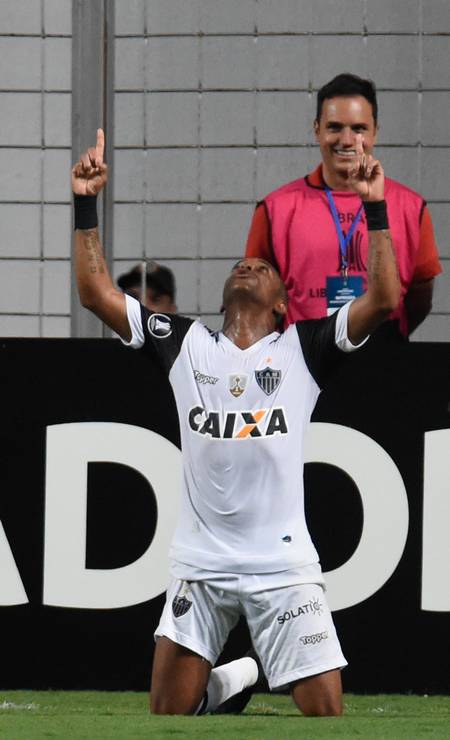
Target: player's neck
x=334, y=180
x=244, y=326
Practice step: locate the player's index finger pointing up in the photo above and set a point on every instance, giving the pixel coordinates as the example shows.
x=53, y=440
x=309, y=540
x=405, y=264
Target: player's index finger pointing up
x=100, y=146
x=359, y=145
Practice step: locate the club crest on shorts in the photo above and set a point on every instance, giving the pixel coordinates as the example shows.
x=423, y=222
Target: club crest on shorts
x=180, y=603
x=237, y=384
x=268, y=379
x=159, y=326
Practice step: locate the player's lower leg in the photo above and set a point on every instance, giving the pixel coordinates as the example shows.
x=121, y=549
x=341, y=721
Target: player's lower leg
x=319, y=695
x=179, y=678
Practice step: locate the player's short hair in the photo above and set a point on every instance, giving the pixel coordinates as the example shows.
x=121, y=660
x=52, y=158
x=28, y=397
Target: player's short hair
x=159, y=279
x=344, y=85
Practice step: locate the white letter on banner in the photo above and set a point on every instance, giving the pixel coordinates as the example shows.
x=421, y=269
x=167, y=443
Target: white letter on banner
x=70, y=447
x=12, y=591
x=436, y=522
x=385, y=510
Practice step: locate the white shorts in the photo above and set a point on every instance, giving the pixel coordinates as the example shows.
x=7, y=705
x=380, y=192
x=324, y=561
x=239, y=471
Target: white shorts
x=291, y=625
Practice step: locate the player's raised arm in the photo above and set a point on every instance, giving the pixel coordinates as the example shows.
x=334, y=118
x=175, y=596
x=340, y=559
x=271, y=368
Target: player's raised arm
x=383, y=281
x=95, y=287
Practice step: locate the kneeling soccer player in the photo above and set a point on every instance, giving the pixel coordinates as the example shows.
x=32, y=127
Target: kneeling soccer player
x=244, y=397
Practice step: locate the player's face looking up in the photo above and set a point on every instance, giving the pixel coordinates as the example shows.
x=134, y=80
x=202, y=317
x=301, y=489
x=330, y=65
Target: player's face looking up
x=341, y=119
x=255, y=280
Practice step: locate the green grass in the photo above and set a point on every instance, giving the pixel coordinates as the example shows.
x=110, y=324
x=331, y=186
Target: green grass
x=29, y=715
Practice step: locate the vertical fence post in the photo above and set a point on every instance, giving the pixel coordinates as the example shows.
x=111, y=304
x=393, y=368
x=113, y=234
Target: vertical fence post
x=93, y=107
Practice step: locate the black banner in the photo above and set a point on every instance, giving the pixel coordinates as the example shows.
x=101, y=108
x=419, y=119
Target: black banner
x=81, y=538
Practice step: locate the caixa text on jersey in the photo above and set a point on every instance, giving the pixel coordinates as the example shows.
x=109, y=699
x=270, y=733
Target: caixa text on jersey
x=238, y=424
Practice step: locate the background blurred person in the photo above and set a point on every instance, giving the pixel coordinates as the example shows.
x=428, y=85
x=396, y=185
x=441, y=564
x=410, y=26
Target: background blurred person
x=151, y=284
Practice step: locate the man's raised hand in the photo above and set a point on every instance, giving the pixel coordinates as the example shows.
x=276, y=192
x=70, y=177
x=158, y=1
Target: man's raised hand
x=366, y=176
x=90, y=173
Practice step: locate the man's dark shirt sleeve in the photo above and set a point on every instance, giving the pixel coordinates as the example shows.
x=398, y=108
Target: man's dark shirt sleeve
x=318, y=341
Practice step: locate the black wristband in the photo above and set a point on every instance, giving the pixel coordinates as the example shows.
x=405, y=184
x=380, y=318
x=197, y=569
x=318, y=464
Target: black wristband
x=376, y=215
x=85, y=211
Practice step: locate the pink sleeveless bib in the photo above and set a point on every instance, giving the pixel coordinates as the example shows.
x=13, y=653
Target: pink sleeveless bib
x=306, y=246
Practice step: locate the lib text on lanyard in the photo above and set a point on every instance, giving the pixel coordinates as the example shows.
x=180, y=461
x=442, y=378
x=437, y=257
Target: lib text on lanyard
x=343, y=240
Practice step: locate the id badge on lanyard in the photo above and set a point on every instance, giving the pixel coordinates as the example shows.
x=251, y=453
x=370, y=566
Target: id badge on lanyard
x=342, y=288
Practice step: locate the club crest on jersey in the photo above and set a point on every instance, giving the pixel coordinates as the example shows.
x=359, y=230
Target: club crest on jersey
x=159, y=326
x=268, y=379
x=237, y=384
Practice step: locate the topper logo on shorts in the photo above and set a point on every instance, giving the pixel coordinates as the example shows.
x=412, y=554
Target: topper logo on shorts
x=159, y=326
x=314, y=639
x=262, y=423
x=314, y=606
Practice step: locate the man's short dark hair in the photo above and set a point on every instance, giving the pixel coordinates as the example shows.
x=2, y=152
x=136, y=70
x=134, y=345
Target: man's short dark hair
x=159, y=279
x=347, y=85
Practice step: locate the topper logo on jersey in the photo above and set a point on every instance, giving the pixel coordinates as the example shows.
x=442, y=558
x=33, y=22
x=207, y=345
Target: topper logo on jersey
x=159, y=326
x=238, y=425
x=202, y=378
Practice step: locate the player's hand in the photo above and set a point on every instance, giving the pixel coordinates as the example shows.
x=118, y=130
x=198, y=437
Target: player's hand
x=366, y=176
x=90, y=173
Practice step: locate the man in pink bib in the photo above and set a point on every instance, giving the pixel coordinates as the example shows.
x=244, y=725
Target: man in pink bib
x=313, y=230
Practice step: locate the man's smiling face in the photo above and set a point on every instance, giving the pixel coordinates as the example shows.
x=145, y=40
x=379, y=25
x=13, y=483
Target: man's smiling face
x=341, y=119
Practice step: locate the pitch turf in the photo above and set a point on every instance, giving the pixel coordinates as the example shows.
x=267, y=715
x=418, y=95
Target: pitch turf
x=29, y=715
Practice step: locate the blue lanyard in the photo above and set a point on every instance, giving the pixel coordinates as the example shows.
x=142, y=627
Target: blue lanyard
x=343, y=240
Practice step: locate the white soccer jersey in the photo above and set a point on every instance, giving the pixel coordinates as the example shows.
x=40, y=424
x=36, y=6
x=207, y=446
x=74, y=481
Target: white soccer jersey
x=243, y=417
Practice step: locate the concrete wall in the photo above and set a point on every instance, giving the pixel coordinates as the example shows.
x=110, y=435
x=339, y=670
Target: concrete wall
x=214, y=102
x=35, y=122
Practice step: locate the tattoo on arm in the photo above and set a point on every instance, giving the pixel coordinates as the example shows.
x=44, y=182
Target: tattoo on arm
x=94, y=250
x=380, y=243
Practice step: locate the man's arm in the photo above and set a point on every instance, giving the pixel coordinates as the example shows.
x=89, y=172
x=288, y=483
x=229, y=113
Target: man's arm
x=419, y=295
x=95, y=286
x=383, y=291
x=418, y=302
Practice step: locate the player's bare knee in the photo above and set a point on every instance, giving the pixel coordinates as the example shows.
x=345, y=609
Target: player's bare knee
x=164, y=705
x=163, y=709
x=319, y=695
x=328, y=710
x=157, y=706
x=160, y=704
x=323, y=707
